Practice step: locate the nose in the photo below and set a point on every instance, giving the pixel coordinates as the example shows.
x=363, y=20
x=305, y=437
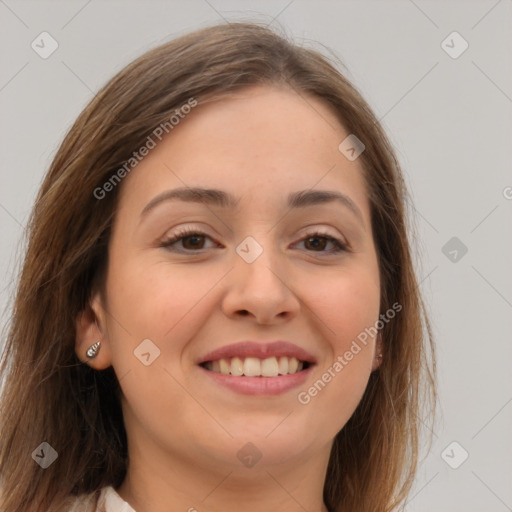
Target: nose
x=260, y=290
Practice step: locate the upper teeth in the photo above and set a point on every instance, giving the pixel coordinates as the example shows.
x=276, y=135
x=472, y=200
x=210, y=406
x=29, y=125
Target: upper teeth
x=254, y=367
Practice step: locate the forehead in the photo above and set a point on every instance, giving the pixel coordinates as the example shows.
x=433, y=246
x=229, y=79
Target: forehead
x=259, y=141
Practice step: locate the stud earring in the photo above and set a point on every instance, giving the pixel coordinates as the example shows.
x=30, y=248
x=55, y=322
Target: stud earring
x=93, y=350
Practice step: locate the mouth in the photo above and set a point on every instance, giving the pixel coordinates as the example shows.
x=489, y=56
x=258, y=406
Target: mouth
x=256, y=367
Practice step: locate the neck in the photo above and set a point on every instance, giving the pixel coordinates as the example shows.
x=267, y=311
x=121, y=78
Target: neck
x=155, y=480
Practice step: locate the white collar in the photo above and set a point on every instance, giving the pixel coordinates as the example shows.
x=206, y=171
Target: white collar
x=112, y=502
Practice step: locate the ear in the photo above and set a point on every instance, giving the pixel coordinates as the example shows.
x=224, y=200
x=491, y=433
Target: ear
x=378, y=354
x=91, y=328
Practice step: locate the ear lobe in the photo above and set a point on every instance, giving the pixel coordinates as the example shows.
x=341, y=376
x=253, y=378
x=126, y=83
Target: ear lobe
x=90, y=328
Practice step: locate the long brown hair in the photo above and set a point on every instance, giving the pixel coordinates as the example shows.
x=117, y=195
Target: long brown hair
x=50, y=396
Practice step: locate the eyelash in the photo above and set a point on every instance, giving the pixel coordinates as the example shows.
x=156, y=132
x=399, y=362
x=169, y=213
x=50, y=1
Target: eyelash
x=187, y=232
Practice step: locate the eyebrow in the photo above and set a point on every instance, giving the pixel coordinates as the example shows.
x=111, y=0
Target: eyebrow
x=220, y=198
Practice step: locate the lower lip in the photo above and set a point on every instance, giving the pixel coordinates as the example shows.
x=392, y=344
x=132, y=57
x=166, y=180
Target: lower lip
x=260, y=385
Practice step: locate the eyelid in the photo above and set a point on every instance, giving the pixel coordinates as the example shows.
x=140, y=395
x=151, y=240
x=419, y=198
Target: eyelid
x=341, y=245
x=182, y=233
x=340, y=242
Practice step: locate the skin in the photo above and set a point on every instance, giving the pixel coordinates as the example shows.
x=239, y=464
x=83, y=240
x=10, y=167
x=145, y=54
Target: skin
x=184, y=431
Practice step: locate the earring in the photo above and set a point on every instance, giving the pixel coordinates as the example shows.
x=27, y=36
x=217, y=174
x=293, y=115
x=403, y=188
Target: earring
x=93, y=350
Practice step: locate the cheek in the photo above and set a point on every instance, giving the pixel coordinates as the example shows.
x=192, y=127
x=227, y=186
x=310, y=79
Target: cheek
x=166, y=304
x=347, y=303
x=347, y=306
x=161, y=301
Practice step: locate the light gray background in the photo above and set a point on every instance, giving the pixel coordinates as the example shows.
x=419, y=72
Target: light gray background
x=449, y=119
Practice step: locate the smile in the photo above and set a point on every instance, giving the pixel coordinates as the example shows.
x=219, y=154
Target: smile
x=255, y=367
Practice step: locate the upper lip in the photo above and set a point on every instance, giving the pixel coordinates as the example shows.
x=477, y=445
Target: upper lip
x=260, y=350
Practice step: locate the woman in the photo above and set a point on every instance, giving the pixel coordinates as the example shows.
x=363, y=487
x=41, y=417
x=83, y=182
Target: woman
x=218, y=307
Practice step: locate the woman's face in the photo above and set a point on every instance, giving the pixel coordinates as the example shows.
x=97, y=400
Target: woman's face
x=257, y=281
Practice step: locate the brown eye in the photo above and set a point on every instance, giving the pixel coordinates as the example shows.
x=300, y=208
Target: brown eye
x=187, y=241
x=319, y=242
x=316, y=242
x=194, y=241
